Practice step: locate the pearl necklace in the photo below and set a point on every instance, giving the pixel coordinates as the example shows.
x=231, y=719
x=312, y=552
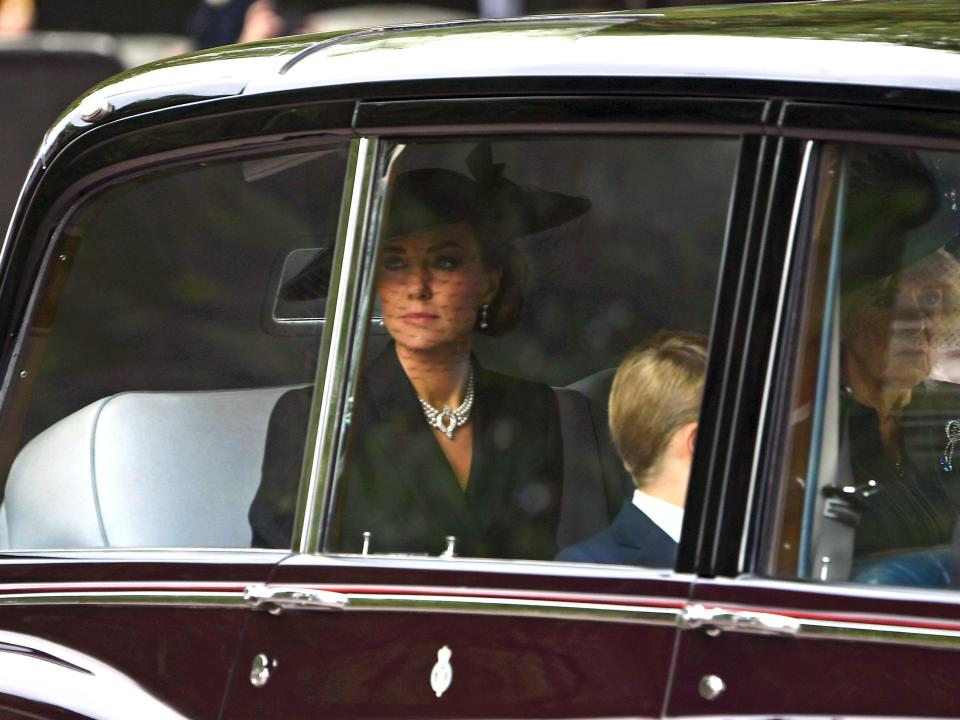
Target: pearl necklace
x=447, y=420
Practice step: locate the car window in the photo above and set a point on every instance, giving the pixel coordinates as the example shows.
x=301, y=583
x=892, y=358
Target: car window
x=513, y=277
x=869, y=492
x=176, y=308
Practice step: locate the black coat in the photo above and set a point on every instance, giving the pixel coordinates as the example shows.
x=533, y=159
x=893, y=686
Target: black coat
x=632, y=539
x=918, y=505
x=399, y=486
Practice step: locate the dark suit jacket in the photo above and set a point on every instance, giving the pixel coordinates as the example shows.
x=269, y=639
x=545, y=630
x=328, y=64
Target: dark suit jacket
x=632, y=539
x=399, y=486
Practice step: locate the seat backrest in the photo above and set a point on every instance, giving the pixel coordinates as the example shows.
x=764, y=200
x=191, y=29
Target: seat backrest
x=595, y=484
x=583, y=508
x=143, y=469
x=617, y=481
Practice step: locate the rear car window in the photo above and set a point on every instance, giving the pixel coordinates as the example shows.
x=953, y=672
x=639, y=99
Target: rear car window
x=168, y=324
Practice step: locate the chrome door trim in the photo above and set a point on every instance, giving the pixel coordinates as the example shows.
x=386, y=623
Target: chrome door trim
x=794, y=625
x=276, y=598
x=716, y=620
x=363, y=598
x=669, y=612
x=516, y=607
x=323, y=435
x=176, y=594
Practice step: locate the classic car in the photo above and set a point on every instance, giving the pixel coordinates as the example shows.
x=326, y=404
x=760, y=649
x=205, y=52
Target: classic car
x=199, y=240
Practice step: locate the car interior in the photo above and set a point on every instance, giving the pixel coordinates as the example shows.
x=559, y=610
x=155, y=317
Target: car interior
x=163, y=336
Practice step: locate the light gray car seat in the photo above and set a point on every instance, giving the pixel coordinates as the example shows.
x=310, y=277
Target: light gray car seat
x=142, y=469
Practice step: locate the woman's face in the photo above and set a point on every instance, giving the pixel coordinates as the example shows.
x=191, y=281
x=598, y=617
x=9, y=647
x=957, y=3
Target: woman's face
x=890, y=327
x=431, y=285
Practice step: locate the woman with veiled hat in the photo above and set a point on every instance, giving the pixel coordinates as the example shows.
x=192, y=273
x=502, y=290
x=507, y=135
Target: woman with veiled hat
x=440, y=447
x=896, y=288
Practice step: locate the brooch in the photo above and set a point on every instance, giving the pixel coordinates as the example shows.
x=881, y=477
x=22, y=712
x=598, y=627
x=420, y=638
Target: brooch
x=952, y=430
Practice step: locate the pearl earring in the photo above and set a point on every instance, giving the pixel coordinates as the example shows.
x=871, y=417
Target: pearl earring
x=483, y=316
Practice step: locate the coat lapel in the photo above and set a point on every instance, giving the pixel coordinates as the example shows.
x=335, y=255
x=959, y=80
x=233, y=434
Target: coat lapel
x=397, y=432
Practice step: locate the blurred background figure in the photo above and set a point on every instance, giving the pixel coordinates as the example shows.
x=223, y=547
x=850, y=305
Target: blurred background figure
x=16, y=16
x=499, y=8
x=224, y=22
x=218, y=22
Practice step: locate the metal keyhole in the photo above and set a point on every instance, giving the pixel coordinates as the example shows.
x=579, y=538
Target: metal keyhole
x=711, y=687
x=260, y=670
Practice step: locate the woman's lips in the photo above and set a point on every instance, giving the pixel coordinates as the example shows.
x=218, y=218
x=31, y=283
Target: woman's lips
x=419, y=318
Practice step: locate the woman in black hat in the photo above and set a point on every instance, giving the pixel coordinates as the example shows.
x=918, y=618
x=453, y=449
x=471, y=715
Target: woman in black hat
x=440, y=447
x=896, y=288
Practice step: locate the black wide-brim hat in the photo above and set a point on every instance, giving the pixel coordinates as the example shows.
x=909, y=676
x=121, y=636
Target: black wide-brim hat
x=429, y=198
x=889, y=193
x=498, y=209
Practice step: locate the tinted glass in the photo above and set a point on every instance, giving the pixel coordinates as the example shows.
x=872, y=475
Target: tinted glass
x=512, y=278
x=157, y=351
x=870, y=493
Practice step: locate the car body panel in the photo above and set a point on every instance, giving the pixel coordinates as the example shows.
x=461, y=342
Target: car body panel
x=527, y=642
x=851, y=651
x=103, y=633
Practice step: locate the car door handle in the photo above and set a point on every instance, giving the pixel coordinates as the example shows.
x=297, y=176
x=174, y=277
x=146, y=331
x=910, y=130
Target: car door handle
x=277, y=598
x=716, y=620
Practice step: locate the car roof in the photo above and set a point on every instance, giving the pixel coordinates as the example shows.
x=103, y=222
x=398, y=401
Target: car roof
x=913, y=44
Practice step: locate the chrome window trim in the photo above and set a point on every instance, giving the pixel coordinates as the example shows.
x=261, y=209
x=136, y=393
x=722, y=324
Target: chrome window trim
x=775, y=339
x=324, y=426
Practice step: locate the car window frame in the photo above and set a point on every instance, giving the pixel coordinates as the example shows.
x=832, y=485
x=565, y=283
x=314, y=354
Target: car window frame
x=39, y=260
x=531, y=117
x=817, y=125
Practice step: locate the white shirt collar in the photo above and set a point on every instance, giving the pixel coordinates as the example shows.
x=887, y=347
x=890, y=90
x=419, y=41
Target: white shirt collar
x=667, y=516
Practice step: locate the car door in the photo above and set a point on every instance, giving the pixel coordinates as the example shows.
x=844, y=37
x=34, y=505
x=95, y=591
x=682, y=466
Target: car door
x=148, y=338
x=834, y=596
x=353, y=624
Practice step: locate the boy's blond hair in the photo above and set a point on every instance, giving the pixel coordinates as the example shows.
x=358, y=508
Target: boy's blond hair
x=656, y=390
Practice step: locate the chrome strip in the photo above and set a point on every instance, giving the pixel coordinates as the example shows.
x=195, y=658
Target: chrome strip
x=522, y=604
x=875, y=632
x=334, y=352
x=387, y=599
x=547, y=609
x=800, y=625
x=771, y=360
x=233, y=600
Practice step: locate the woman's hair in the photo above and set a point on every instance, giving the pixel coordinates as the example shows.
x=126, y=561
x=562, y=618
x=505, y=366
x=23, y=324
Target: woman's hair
x=506, y=309
x=656, y=390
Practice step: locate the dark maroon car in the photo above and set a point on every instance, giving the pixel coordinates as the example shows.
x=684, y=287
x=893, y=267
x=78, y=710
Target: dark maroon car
x=197, y=247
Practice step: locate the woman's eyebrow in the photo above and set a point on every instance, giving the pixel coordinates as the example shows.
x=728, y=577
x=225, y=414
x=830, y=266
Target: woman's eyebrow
x=444, y=245
x=395, y=249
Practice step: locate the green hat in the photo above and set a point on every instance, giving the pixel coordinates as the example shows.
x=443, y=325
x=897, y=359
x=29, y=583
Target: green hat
x=889, y=192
